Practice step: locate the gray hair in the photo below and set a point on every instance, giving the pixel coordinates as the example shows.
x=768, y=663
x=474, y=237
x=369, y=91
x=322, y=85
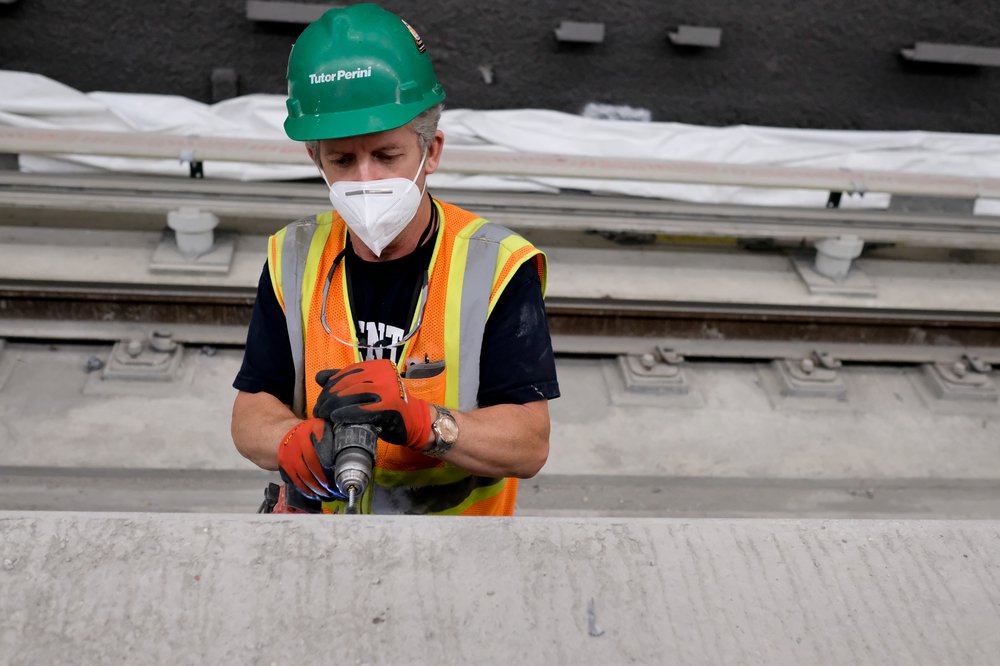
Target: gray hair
x=424, y=125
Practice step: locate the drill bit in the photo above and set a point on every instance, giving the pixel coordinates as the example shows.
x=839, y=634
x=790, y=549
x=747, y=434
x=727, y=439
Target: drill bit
x=351, y=494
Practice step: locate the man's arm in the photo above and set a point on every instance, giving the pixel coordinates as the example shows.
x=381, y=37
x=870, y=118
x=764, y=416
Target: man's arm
x=509, y=434
x=260, y=421
x=266, y=381
x=501, y=440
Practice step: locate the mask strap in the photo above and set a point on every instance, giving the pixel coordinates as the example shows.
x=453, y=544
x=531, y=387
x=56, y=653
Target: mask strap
x=421, y=165
x=423, y=159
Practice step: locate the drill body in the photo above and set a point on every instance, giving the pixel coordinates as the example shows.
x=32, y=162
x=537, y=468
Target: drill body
x=353, y=460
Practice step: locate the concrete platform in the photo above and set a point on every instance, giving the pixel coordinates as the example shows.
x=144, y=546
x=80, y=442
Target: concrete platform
x=166, y=588
x=732, y=447
x=732, y=424
x=548, y=495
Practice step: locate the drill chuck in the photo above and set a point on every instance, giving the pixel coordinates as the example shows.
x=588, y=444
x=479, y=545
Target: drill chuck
x=353, y=470
x=354, y=449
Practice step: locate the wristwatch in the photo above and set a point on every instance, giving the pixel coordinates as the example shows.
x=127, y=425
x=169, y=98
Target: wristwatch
x=445, y=433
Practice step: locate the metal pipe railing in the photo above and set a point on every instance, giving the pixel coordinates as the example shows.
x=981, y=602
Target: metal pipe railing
x=504, y=163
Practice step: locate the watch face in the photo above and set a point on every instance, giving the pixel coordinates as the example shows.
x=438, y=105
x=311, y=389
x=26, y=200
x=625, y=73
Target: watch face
x=446, y=428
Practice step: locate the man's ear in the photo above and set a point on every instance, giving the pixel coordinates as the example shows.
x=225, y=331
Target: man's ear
x=434, y=150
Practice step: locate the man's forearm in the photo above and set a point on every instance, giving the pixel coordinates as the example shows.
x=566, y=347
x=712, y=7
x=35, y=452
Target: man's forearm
x=496, y=441
x=502, y=440
x=259, y=422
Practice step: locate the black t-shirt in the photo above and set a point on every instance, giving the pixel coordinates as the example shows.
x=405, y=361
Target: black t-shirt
x=384, y=295
x=516, y=364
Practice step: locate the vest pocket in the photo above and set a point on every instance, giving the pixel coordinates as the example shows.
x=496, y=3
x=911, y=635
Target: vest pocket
x=426, y=388
x=424, y=370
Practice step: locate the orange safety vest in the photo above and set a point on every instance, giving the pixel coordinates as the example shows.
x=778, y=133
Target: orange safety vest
x=472, y=263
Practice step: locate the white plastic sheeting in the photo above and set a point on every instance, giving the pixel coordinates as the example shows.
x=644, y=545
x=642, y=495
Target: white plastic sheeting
x=32, y=100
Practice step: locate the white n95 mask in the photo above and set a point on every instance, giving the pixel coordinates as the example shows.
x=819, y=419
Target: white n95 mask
x=377, y=210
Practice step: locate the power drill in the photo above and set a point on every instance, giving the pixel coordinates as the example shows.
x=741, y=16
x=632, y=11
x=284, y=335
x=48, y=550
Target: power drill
x=353, y=458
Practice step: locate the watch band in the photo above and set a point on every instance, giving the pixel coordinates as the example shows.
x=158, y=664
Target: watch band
x=445, y=431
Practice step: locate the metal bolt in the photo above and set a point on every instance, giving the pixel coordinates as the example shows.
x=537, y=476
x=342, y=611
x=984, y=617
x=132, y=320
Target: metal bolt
x=162, y=341
x=959, y=368
x=978, y=364
x=209, y=350
x=93, y=364
x=648, y=361
x=807, y=365
x=670, y=356
x=134, y=347
x=827, y=360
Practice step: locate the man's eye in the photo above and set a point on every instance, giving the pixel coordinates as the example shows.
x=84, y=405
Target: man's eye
x=342, y=161
x=388, y=158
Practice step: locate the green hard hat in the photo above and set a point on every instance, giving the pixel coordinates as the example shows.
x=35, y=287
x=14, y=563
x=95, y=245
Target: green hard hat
x=357, y=70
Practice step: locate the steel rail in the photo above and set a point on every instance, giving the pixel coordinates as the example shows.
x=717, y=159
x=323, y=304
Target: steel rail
x=169, y=293
x=806, y=326
x=102, y=313
x=765, y=350
x=195, y=333
x=651, y=309
x=503, y=163
x=238, y=203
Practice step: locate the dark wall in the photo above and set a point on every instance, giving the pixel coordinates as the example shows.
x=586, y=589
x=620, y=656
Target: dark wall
x=796, y=63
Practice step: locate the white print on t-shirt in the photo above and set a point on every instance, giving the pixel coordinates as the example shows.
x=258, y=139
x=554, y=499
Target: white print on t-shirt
x=376, y=334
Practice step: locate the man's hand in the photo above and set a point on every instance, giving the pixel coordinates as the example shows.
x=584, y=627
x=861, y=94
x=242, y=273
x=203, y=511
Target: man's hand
x=372, y=392
x=299, y=464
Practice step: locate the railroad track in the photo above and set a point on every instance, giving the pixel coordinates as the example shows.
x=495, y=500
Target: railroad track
x=608, y=328
x=96, y=289
x=727, y=301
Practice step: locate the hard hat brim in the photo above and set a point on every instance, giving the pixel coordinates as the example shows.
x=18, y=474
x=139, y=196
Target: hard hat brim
x=362, y=121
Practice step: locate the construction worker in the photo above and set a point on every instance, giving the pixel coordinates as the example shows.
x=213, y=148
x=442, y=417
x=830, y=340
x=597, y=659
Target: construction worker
x=395, y=309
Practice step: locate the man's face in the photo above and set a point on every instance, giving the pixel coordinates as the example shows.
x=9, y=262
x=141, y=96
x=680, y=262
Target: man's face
x=391, y=154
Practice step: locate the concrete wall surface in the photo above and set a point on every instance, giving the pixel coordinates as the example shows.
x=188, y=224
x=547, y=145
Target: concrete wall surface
x=168, y=588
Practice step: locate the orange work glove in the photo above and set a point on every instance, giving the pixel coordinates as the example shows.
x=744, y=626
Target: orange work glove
x=300, y=465
x=372, y=393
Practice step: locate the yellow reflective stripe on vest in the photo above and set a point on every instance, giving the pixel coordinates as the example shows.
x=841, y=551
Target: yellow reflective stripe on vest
x=487, y=247
x=476, y=495
x=294, y=275
x=324, y=225
x=473, y=266
x=274, y=245
x=438, y=244
x=453, y=314
x=352, y=328
x=431, y=476
x=511, y=245
x=482, y=258
x=298, y=237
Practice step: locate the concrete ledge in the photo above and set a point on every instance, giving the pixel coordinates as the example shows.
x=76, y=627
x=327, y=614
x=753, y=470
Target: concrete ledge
x=165, y=588
x=546, y=495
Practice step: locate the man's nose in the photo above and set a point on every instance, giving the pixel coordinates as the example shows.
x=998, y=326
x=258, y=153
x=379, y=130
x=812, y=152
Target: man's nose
x=366, y=169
